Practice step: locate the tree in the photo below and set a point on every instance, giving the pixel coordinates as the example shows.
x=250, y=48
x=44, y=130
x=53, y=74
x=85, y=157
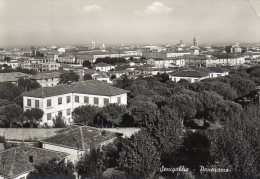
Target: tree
x=142, y=111
x=113, y=113
x=53, y=169
x=86, y=63
x=168, y=130
x=87, y=77
x=85, y=114
x=28, y=84
x=9, y=91
x=33, y=116
x=243, y=86
x=236, y=145
x=194, y=151
x=67, y=77
x=59, y=122
x=223, y=111
x=184, y=104
x=209, y=99
x=139, y=156
x=10, y=114
x=223, y=89
x=112, y=77
x=94, y=163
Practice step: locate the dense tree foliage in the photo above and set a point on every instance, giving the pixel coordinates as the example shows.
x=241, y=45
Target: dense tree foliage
x=59, y=122
x=33, y=116
x=9, y=91
x=139, y=156
x=87, y=77
x=27, y=84
x=86, y=63
x=67, y=77
x=236, y=145
x=11, y=114
x=85, y=114
x=53, y=169
x=111, y=61
x=114, y=113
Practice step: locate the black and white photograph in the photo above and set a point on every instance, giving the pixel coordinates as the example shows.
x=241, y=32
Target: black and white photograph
x=129, y=89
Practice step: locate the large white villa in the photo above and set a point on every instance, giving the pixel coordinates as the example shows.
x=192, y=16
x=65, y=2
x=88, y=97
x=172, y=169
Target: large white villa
x=61, y=100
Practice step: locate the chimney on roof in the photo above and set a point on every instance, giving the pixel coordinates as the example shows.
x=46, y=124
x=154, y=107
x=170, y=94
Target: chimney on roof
x=103, y=133
x=31, y=158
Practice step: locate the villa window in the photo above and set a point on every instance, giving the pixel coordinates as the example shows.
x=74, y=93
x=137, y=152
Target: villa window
x=68, y=99
x=59, y=113
x=106, y=101
x=49, y=116
x=86, y=99
x=48, y=102
x=37, y=103
x=60, y=100
x=77, y=99
x=29, y=102
x=96, y=100
x=68, y=112
x=118, y=100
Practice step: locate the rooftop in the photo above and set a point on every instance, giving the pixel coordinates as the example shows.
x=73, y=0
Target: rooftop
x=12, y=76
x=102, y=64
x=40, y=76
x=81, y=137
x=92, y=87
x=15, y=161
x=190, y=73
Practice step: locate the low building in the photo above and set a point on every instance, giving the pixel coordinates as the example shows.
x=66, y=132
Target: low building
x=189, y=75
x=196, y=74
x=159, y=62
x=61, y=100
x=103, y=67
x=102, y=77
x=66, y=59
x=12, y=77
x=19, y=162
x=216, y=72
x=77, y=140
x=39, y=64
x=47, y=79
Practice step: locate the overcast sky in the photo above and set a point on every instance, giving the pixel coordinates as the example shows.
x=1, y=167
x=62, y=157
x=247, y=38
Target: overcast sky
x=68, y=22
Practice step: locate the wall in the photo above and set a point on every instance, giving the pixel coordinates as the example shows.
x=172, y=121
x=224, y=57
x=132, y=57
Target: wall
x=73, y=153
x=27, y=133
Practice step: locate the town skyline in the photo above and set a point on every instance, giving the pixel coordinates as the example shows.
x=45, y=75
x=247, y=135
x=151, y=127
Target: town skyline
x=134, y=22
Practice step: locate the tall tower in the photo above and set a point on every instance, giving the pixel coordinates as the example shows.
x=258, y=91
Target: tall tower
x=92, y=45
x=195, y=41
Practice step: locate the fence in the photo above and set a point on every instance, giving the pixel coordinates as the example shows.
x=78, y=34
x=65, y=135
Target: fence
x=27, y=134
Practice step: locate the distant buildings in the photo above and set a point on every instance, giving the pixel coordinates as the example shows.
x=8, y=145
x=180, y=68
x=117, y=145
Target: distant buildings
x=39, y=64
x=103, y=67
x=61, y=100
x=47, y=79
x=197, y=74
x=12, y=77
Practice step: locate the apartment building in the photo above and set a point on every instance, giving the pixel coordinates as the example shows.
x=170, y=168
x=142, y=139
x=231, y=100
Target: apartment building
x=61, y=100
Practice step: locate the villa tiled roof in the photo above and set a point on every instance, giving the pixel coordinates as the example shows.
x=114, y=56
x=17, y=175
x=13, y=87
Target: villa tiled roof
x=12, y=76
x=40, y=76
x=102, y=64
x=92, y=87
x=81, y=138
x=190, y=73
x=15, y=161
